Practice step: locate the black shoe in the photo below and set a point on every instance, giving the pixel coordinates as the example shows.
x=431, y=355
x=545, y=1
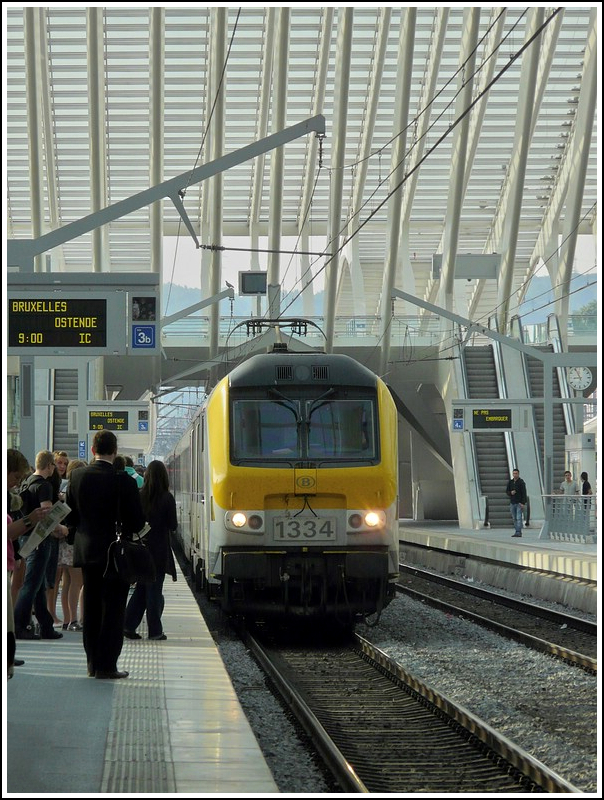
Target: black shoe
x=18, y=662
x=91, y=670
x=132, y=635
x=51, y=635
x=161, y=638
x=517, y=536
x=26, y=633
x=110, y=676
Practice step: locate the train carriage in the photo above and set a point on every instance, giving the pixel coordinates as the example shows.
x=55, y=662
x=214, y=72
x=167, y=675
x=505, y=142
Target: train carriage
x=286, y=484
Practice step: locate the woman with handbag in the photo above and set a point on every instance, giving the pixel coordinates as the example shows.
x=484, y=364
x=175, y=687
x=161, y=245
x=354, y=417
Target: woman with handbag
x=160, y=511
x=72, y=579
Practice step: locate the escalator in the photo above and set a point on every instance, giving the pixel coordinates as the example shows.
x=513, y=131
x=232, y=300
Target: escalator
x=65, y=388
x=489, y=447
x=535, y=376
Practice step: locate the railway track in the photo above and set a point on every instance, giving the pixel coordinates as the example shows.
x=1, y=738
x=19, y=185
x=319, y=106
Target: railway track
x=380, y=729
x=563, y=636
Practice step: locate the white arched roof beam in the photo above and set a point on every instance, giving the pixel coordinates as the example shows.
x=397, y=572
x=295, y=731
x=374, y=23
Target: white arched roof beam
x=357, y=278
x=424, y=112
x=342, y=81
x=397, y=171
x=493, y=245
x=365, y=142
x=520, y=151
x=101, y=261
x=350, y=267
x=458, y=159
x=486, y=73
x=204, y=205
x=49, y=136
x=218, y=34
x=306, y=285
x=35, y=147
x=312, y=144
x=312, y=147
x=579, y=159
x=366, y=138
x=277, y=158
x=368, y=125
x=262, y=129
x=156, y=130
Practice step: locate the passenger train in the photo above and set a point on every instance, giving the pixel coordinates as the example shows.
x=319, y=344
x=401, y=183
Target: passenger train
x=286, y=485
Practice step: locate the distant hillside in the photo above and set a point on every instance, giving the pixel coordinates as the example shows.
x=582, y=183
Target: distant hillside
x=536, y=307
x=175, y=298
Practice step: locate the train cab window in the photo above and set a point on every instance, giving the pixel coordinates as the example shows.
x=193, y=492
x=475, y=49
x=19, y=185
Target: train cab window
x=342, y=429
x=264, y=429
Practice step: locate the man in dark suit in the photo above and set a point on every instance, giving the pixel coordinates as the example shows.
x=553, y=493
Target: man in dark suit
x=93, y=494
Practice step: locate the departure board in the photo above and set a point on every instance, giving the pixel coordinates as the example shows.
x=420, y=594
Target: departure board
x=57, y=323
x=108, y=420
x=491, y=419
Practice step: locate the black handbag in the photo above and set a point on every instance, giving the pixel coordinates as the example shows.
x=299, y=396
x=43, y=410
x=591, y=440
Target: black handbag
x=129, y=559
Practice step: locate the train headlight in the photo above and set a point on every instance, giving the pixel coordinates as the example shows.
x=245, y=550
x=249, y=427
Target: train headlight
x=363, y=521
x=244, y=522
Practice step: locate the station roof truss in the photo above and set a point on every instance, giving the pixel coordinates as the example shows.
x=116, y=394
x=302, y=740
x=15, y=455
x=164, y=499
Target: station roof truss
x=105, y=102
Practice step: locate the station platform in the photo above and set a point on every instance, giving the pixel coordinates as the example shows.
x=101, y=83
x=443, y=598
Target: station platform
x=174, y=725
x=546, y=569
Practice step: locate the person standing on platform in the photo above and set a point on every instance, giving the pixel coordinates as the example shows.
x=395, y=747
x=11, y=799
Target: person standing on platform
x=16, y=469
x=568, y=486
x=93, y=495
x=586, y=491
x=585, y=487
x=33, y=591
x=516, y=491
x=129, y=468
x=160, y=509
x=71, y=576
x=54, y=571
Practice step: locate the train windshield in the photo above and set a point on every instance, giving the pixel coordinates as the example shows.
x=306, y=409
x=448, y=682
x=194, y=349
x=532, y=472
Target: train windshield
x=292, y=430
x=341, y=429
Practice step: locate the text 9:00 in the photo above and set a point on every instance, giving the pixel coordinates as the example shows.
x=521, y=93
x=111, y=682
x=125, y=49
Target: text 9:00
x=30, y=338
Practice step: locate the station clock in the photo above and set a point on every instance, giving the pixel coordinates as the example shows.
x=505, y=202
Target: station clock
x=579, y=377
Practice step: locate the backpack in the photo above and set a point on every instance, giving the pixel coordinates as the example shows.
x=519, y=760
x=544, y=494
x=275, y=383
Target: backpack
x=27, y=497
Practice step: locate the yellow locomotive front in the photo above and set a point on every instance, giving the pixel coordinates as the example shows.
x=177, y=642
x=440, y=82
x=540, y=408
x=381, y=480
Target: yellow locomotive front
x=303, y=488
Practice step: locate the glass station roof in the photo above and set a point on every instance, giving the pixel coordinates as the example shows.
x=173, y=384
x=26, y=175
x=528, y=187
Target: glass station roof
x=490, y=130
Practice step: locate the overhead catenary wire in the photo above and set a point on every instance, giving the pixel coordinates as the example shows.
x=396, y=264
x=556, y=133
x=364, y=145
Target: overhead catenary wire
x=332, y=255
x=339, y=248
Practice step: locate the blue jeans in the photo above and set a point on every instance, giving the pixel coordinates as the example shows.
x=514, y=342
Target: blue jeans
x=146, y=597
x=33, y=591
x=516, y=512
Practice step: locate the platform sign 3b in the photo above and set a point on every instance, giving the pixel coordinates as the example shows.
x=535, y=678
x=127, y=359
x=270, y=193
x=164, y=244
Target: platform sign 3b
x=143, y=337
x=143, y=307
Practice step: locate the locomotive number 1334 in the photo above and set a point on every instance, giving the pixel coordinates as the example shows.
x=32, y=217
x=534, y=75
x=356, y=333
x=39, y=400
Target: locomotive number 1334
x=316, y=529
